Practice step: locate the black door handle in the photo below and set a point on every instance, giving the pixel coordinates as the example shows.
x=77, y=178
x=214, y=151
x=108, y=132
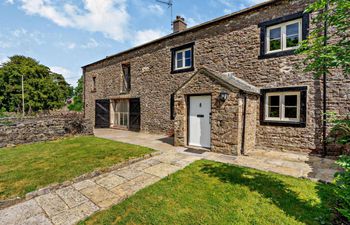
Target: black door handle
x=200, y=116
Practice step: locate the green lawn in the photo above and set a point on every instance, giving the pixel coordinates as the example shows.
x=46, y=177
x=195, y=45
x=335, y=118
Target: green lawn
x=214, y=193
x=28, y=167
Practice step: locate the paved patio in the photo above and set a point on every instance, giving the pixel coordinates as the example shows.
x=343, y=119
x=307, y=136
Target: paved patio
x=287, y=163
x=73, y=203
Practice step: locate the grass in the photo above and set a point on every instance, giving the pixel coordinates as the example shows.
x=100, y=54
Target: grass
x=214, y=193
x=28, y=167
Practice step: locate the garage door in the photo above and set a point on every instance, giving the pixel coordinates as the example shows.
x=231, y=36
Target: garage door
x=102, y=113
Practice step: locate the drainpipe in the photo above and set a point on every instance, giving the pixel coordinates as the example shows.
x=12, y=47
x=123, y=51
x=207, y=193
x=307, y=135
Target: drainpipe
x=244, y=122
x=324, y=152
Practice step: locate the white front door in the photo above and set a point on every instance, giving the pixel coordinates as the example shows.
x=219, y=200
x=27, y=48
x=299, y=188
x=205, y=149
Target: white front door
x=199, y=121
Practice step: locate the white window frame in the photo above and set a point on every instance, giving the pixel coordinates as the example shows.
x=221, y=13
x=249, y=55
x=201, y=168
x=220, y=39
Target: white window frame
x=183, y=59
x=283, y=27
x=118, y=115
x=282, y=107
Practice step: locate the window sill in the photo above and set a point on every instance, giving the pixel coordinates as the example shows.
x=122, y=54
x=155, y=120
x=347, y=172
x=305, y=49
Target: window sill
x=277, y=54
x=283, y=123
x=182, y=70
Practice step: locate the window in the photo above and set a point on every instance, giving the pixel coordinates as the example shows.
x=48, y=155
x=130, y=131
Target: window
x=93, y=83
x=126, y=81
x=281, y=36
x=284, y=36
x=182, y=58
x=284, y=106
x=121, y=113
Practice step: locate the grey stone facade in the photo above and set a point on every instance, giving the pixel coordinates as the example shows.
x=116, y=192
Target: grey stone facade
x=230, y=44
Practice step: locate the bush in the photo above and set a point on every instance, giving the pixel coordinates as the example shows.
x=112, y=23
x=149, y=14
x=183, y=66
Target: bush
x=343, y=187
x=341, y=128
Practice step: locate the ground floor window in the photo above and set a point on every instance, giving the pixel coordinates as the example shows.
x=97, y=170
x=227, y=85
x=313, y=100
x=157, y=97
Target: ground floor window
x=121, y=113
x=284, y=106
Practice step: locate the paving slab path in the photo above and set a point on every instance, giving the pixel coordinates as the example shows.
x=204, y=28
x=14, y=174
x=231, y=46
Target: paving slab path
x=71, y=204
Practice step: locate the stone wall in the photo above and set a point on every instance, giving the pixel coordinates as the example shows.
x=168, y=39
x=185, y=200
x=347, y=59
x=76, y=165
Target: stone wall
x=30, y=130
x=229, y=45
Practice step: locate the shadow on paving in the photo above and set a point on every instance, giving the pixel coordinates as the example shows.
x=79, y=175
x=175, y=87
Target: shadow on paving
x=271, y=187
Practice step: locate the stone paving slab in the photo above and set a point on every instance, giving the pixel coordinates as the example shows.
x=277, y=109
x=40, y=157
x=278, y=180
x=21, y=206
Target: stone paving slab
x=109, y=181
x=22, y=212
x=98, y=194
x=132, y=186
x=40, y=219
x=74, y=215
x=162, y=170
x=128, y=173
x=71, y=196
x=84, y=184
x=51, y=203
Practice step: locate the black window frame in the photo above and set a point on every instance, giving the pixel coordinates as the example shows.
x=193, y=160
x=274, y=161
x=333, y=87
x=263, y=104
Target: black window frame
x=263, y=28
x=173, y=57
x=303, y=106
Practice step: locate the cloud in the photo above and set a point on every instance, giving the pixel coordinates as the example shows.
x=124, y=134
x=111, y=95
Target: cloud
x=68, y=75
x=109, y=17
x=156, y=9
x=10, y=2
x=142, y=37
x=20, y=37
x=3, y=60
x=92, y=43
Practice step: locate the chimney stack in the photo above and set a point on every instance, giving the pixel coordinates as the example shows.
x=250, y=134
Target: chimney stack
x=179, y=24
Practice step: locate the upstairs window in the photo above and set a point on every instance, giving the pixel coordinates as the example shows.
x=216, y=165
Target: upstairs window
x=126, y=79
x=182, y=58
x=284, y=106
x=282, y=37
x=93, y=84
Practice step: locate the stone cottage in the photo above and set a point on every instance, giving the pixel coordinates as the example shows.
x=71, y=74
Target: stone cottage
x=230, y=85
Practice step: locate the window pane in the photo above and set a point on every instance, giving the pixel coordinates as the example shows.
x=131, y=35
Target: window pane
x=275, y=33
x=179, y=55
x=293, y=29
x=188, y=62
x=292, y=41
x=291, y=100
x=274, y=112
x=179, y=63
x=274, y=100
x=188, y=54
x=275, y=39
x=290, y=112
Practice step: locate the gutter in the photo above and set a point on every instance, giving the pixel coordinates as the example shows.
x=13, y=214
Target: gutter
x=244, y=122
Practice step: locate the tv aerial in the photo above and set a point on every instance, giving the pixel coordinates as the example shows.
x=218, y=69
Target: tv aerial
x=170, y=4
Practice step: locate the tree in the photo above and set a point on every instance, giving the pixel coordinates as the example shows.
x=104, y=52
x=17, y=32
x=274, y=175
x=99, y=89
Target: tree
x=77, y=104
x=330, y=51
x=44, y=90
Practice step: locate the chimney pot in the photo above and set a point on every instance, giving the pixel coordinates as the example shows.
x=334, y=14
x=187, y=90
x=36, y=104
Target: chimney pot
x=179, y=24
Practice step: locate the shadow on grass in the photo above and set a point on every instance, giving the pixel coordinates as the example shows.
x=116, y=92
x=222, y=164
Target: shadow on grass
x=280, y=190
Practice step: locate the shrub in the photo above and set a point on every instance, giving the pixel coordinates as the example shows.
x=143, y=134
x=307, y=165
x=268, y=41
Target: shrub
x=341, y=128
x=343, y=186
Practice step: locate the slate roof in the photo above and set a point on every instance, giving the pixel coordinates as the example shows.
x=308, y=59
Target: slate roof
x=231, y=80
x=227, y=79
